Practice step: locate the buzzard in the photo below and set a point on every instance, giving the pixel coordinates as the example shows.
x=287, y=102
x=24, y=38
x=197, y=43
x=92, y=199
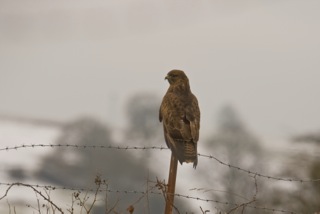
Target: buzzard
x=180, y=114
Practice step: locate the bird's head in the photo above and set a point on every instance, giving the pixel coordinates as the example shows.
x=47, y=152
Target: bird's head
x=176, y=76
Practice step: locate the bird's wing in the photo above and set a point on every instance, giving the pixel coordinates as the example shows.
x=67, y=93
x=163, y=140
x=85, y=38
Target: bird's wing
x=177, y=119
x=193, y=116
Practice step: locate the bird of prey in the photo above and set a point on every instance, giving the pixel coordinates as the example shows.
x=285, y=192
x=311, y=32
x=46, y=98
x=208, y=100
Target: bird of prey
x=180, y=114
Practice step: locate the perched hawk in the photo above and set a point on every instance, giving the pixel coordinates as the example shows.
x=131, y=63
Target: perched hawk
x=180, y=114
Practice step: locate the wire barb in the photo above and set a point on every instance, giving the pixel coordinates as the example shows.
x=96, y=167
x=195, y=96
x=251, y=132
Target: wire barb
x=127, y=148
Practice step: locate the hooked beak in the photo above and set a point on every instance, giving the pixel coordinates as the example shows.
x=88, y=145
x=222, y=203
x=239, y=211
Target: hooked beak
x=166, y=78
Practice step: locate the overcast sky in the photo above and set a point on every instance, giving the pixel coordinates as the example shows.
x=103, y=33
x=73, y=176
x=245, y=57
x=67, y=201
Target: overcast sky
x=64, y=59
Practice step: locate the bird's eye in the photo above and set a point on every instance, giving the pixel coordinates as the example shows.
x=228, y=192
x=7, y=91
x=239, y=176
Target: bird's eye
x=174, y=75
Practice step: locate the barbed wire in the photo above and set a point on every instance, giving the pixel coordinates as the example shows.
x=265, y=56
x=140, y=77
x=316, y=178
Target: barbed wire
x=83, y=147
x=259, y=174
x=250, y=172
x=49, y=187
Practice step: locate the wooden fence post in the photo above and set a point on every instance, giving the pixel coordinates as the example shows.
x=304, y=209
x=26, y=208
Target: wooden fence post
x=171, y=184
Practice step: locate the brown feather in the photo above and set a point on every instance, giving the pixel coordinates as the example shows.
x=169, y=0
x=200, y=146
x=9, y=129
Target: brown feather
x=180, y=114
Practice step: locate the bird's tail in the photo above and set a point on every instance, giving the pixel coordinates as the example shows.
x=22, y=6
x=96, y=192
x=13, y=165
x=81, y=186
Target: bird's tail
x=186, y=151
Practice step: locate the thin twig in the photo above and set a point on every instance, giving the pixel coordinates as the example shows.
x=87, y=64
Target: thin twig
x=254, y=197
x=9, y=206
x=204, y=211
x=35, y=190
x=98, y=182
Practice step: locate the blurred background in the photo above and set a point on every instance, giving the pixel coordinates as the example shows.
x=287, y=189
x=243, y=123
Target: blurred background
x=92, y=73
